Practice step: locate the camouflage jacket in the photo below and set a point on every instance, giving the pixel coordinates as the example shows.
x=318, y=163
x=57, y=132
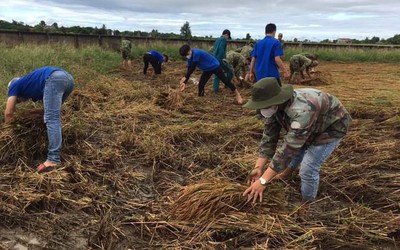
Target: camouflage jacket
x=246, y=51
x=126, y=45
x=310, y=117
x=237, y=62
x=299, y=63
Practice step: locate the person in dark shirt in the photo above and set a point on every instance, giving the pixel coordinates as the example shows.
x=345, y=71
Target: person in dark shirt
x=219, y=52
x=209, y=65
x=156, y=59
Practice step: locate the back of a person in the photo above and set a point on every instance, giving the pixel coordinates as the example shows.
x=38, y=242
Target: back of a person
x=231, y=55
x=265, y=53
x=300, y=60
x=219, y=50
x=204, y=60
x=319, y=112
x=246, y=51
x=31, y=86
x=236, y=59
x=157, y=55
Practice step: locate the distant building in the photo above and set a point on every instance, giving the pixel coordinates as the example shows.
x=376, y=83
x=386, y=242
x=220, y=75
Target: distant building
x=344, y=40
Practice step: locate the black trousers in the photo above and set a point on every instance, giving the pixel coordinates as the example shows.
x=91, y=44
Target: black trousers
x=220, y=74
x=155, y=63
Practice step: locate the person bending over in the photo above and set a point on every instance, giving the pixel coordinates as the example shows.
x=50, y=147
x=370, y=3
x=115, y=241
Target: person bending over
x=156, y=60
x=209, y=65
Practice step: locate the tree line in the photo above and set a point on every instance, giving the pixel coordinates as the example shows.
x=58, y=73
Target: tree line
x=185, y=32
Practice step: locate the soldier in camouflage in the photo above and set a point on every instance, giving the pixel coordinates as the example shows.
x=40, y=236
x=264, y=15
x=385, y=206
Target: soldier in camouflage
x=237, y=63
x=126, y=46
x=314, y=121
x=280, y=39
x=246, y=50
x=299, y=63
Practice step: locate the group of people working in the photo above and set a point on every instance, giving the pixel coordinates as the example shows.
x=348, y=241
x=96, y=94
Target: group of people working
x=314, y=121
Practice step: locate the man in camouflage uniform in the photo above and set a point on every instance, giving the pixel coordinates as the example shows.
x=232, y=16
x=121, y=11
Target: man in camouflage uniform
x=237, y=64
x=299, y=63
x=280, y=39
x=126, y=46
x=246, y=50
x=314, y=121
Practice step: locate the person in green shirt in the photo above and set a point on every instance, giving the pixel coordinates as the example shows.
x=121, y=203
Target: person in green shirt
x=219, y=52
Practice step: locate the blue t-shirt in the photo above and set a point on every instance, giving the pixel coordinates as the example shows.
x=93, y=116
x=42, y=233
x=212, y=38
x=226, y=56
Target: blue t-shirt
x=157, y=55
x=205, y=61
x=265, y=52
x=31, y=86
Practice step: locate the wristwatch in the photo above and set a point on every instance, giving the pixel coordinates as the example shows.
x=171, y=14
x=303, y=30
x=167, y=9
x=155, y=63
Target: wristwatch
x=263, y=181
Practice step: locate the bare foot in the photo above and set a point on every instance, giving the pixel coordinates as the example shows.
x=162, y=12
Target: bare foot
x=50, y=164
x=47, y=166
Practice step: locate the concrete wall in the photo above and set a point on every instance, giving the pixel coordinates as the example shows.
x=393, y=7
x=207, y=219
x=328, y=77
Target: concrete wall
x=12, y=38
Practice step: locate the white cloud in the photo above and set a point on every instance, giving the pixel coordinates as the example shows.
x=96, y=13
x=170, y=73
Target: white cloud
x=308, y=18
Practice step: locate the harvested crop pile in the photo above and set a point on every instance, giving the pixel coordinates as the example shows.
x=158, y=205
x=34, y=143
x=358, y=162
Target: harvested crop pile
x=24, y=138
x=143, y=171
x=170, y=99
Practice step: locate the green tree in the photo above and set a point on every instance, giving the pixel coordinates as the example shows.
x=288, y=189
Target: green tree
x=374, y=39
x=185, y=30
x=394, y=40
x=40, y=26
x=154, y=33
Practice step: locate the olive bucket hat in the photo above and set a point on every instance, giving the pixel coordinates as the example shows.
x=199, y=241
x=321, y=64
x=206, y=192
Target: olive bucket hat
x=267, y=92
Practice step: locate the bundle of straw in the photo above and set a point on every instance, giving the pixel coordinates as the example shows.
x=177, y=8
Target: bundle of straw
x=171, y=99
x=207, y=200
x=24, y=137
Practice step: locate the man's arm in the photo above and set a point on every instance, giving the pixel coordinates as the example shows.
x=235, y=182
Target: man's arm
x=308, y=72
x=10, y=108
x=184, y=79
x=252, y=63
x=190, y=70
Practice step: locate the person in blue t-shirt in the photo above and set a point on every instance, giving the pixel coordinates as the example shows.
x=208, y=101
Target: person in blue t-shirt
x=156, y=59
x=52, y=86
x=266, y=56
x=209, y=65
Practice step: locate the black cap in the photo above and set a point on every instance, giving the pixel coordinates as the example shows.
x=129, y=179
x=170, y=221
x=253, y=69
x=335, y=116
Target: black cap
x=227, y=32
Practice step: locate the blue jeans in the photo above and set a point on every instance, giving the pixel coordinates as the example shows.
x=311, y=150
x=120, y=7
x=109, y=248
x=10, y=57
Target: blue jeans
x=57, y=88
x=310, y=160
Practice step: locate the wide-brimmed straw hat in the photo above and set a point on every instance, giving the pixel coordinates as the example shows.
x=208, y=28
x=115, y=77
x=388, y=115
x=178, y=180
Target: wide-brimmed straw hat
x=267, y=92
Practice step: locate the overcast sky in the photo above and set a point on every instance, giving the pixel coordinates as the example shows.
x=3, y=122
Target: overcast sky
x=303, y=19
